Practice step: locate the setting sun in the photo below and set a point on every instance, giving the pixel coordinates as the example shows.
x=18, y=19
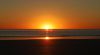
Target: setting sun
x=47, y=26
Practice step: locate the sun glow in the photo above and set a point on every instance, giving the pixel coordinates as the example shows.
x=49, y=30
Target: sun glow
x=47, y=26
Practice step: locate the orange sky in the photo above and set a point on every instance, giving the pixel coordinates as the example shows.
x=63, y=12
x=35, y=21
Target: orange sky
x=33, y=14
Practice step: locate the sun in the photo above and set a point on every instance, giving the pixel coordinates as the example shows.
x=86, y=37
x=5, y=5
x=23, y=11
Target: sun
x=47, y=26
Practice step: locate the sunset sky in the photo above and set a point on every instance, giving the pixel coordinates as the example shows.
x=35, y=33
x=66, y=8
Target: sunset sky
x=63, y=14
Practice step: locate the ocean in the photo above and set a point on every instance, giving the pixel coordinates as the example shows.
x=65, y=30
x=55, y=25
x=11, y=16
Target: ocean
x=52, y=42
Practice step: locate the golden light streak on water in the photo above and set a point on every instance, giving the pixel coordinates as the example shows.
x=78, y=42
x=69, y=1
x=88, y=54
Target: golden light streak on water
x=47, y=38
x=50, y=38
